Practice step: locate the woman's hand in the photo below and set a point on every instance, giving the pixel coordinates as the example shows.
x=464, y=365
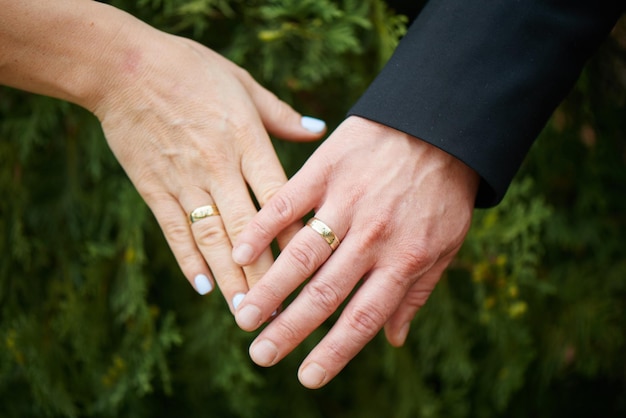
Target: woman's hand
x=187, y=125
x=189, y=128
x=400, y=208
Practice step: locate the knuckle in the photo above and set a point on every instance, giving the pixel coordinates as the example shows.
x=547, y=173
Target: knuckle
x=323, y=295
x=159, y=200
x=303, y=258
x=284, y=208
x=377, y=230
x=208, y=233
x=145, y=181
x=366, y=320
x=286, y=330
x=418, y=297
x=176, y=232
x=193, y=154
x=271, y=293
x=237, y=222
x=414, y=259
x=261, y=230
x=397, y=282
x=337, y=352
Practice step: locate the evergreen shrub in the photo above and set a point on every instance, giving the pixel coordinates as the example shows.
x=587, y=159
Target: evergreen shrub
x=96, y=319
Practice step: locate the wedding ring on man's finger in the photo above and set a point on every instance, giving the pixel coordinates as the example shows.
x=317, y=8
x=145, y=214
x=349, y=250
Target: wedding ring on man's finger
x=325, y=232
x=203, y=212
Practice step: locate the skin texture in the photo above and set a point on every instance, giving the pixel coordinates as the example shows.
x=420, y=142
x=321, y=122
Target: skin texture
x=401, y=208
x=188, y=126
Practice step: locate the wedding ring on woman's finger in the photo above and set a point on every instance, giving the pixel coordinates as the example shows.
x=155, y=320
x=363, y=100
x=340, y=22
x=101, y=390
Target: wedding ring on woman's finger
x=203, y=212
x=325, y=232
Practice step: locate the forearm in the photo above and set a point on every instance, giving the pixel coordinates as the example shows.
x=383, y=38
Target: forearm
x=69, y=49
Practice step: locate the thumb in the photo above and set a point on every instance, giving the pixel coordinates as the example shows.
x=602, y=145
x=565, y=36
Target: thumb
x=279, y=118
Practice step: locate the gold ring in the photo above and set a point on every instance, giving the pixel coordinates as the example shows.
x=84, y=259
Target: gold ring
x=326, y=233
x=203, y=212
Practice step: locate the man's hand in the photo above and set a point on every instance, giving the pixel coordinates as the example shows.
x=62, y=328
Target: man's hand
x=401, y=209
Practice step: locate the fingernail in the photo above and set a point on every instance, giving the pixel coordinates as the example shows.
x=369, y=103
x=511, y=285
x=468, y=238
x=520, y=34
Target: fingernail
x=249, y=318
x=237, y=299
x=402, y=334
x=203, y=284
x=312, y=124
x=312, y=375
x=242, y=254
x=264, y=353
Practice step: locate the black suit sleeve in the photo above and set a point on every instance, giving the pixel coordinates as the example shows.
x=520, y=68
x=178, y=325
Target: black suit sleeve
x=480, y=78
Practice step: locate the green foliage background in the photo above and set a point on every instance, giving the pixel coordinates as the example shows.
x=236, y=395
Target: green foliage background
x=97, y=320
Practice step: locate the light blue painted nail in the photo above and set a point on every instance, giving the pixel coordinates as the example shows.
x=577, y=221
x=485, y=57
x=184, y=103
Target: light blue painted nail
x=237, y=299
x=203, y=284
x=312, y=124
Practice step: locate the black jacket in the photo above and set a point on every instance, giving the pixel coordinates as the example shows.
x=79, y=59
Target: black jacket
x=480, y=78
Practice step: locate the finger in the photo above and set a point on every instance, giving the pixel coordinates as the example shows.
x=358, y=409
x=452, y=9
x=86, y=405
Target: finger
x=175, y=226
x=212, y=241
x=232, y=196
x=278, y=117
x=363, y=317
x=281, y=120
x=321, y=296
x=212, y=238
x=299, y=196
x=398, y=326
x=297, y=262
x=266, y=176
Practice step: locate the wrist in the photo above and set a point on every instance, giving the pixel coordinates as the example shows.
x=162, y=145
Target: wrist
x=431, y=157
